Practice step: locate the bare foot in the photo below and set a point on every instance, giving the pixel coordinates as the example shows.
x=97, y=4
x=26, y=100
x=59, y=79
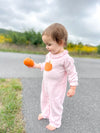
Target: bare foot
x=51, y=128
x=40, y=117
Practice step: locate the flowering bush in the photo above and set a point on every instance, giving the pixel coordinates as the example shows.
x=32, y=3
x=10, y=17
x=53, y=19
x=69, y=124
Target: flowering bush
x=4, y=39
x=82, y=50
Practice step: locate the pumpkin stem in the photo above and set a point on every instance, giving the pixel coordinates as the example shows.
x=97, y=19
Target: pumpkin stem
x=30, y=57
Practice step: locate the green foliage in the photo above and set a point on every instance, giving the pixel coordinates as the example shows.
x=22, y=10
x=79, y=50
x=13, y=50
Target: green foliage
x=17, y=37
x=71, y=45
x=33, y=38
x=27, y=37
x=80, y=45
x=98, y=49
x=2, y=80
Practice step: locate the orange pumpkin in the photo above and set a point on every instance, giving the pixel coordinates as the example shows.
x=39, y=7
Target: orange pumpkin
x=48, y=66
x=28, y=62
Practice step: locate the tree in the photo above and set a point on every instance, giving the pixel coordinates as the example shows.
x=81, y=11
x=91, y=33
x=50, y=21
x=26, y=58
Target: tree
x=80, y=45
x=98, y=49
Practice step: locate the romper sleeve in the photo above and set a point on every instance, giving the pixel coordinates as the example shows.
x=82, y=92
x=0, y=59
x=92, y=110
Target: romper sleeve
x=42, y=66
x=71, y=71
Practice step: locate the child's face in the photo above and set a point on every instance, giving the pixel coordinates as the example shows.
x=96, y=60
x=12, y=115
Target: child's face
x=51, y=45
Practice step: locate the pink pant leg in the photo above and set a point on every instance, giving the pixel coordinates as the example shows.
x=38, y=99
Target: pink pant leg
x=56, y=109
x=56, y=106
x=44, y=102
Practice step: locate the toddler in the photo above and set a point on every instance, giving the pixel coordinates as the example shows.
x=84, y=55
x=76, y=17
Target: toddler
x=55, y=81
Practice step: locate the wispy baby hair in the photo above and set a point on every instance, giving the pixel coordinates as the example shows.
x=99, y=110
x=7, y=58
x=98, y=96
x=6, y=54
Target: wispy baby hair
x=57, y=32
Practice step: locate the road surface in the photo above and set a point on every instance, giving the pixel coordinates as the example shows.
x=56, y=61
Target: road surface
x=81, y=112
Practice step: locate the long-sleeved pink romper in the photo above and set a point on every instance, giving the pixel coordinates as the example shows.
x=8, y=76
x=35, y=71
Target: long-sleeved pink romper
x=54, y=85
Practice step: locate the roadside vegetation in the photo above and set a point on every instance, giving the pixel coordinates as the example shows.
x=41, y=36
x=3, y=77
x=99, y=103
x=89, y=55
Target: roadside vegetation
x=31, y=42
x=11, y=118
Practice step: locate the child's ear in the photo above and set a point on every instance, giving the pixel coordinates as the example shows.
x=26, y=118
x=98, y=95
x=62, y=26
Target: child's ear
x=61, y=42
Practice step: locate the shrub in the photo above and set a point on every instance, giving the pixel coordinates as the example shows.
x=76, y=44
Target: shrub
x=4, y=39
x=27, y=37
x=77, y=49
x=98, y=49
x=71, y=45
x=33, y=38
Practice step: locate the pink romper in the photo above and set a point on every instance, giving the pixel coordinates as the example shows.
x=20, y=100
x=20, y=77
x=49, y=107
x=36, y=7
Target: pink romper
x=54, y=85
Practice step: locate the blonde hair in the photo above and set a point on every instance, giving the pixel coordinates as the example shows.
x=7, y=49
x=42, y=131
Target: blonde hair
x=57, y=32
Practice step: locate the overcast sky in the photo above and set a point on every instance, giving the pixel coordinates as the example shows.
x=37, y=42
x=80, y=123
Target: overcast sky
x=80, y=17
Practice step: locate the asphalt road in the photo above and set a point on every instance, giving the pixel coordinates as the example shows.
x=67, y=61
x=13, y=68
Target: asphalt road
x=81, y=112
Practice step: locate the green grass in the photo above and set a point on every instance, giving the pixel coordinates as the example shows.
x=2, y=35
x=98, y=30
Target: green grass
x=11, y=118
x=30, y=49
x=27, y=52
x=38, y=50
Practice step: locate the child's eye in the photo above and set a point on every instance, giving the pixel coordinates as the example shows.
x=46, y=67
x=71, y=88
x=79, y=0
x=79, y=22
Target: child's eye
x=49, y=44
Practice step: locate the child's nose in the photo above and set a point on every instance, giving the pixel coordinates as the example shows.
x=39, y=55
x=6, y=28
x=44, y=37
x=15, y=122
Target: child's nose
x=46, y=47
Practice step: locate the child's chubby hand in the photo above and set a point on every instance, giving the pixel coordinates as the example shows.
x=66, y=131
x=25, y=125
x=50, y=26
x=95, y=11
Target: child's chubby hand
x=36, y=66
x=71, y=91
x=30, y=67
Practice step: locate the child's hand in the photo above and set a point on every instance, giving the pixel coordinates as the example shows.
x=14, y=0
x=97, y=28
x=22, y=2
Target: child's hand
x=30, y=66
x=71, y=91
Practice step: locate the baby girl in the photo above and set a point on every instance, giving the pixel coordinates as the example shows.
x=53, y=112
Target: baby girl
x=55, y=80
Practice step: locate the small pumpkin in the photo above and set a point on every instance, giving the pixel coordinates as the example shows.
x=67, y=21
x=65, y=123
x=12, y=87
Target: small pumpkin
x=48, y=66
x=28, y=62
